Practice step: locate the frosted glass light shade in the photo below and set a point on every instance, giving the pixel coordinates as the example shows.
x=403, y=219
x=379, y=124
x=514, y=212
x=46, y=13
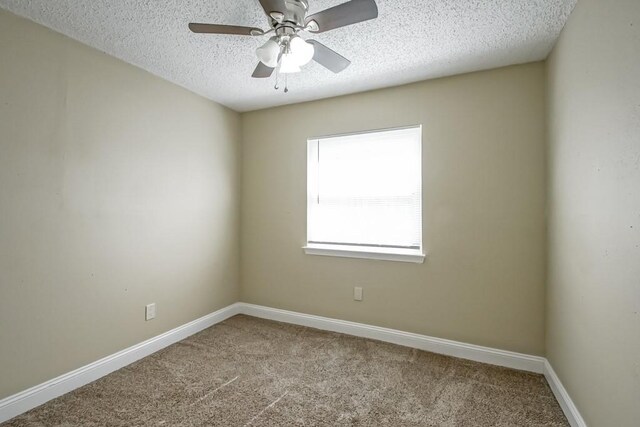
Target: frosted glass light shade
x=289, y=64
x=301, y=50
x=269, y=52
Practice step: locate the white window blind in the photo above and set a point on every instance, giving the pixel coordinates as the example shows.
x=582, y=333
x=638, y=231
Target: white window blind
x=365, y=190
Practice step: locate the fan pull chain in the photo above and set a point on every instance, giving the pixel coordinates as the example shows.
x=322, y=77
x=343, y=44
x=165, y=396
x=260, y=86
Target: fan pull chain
x=276, y=87
x=286, y=83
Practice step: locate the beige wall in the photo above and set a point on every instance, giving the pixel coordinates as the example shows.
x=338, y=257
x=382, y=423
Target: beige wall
x=484, y=200
x=593, y=313
x=117, y=189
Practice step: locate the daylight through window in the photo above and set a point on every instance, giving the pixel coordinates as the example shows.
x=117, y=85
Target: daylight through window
x=365, y=192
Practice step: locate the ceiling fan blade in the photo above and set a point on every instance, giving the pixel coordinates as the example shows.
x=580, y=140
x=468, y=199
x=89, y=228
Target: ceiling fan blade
x=344, y=14
x=225, y=29
x=273, y=6
x=262, y=71
x=328, y=58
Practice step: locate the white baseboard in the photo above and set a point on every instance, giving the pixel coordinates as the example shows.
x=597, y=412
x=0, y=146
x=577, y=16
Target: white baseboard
x=42, y=393
x=36, y=396
x=477, y=353
x=563, y=398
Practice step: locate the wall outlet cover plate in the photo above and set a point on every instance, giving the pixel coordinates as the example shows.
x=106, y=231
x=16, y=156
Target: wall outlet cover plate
x=150, y=311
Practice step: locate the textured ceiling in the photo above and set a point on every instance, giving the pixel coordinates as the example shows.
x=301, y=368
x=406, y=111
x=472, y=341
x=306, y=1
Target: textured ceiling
x=410, y=41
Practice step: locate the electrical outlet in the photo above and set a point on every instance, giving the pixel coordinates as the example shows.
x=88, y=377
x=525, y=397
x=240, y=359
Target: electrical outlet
x=150, y=311
x=357, y=293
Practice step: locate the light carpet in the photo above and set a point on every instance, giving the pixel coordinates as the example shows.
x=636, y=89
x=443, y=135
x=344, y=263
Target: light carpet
x=253, y=372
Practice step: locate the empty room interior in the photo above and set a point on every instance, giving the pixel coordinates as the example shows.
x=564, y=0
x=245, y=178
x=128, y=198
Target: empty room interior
x=320, y=213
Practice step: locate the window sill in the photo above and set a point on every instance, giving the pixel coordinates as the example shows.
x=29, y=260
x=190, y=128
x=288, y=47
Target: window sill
x=383, y=254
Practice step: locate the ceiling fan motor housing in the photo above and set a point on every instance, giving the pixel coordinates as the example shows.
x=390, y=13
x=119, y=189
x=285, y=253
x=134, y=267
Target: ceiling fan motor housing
x=294, y=13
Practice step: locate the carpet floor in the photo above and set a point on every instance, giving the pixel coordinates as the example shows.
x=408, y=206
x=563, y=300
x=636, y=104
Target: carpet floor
x=252, y=372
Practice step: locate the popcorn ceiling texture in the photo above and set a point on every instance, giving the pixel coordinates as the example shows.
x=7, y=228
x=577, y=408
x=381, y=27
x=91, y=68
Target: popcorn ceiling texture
x=410, y=41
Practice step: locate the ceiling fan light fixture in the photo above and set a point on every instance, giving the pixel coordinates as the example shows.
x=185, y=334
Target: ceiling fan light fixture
x=269, y=52
x=289, y=64
x=301, y=50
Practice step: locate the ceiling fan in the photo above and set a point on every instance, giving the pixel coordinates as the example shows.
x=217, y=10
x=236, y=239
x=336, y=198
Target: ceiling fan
x=286, y=51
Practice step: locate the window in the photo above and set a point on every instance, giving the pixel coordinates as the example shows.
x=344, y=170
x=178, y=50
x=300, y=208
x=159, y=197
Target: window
x=364, y=195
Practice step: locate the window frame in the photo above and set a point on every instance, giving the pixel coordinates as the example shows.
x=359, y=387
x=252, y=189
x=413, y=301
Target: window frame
x=383, y=253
